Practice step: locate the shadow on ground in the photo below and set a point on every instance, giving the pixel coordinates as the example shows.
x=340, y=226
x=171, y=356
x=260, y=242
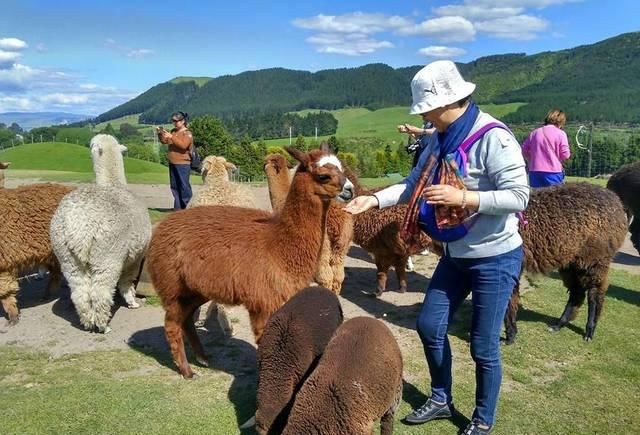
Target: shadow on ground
x=230, y=355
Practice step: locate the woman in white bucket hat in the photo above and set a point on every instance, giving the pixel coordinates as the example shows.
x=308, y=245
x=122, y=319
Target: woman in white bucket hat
x=483, y=253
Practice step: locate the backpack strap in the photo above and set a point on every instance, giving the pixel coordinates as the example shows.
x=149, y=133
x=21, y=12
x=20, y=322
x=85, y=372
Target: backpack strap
x=469, y=141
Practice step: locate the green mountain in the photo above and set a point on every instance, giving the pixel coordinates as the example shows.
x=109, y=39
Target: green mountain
x=599, y=82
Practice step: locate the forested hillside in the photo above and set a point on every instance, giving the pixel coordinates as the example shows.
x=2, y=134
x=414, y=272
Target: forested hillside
x=593, y=82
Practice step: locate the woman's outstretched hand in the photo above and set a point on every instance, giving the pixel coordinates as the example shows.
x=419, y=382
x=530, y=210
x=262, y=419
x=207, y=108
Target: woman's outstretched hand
x=360, y=204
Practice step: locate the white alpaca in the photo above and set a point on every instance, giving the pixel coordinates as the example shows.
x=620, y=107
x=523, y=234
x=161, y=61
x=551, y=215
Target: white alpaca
x=100, y=235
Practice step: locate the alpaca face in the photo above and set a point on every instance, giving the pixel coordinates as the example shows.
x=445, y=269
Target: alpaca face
x=326, y=172
x=275, y=163
x=216, y=167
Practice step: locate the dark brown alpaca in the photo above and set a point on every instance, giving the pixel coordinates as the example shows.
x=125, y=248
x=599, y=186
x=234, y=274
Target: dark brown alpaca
x=330, y=271
x=377, y=231
x=576, y=228
x=293, y=342
x=357, y=382
x=250, y=257
x=626, y=183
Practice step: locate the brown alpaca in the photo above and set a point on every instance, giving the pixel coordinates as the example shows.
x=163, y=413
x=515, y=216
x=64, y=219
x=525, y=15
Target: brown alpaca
x=576, y=228
x=357, y=382
x=626, y=183
x=24, y=230
x=250, y=257
x=330, y=271
x=377, y=231
x=293, y=341
x=3, y=166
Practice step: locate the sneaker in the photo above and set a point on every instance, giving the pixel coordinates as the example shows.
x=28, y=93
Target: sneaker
x=477, y=428
x=429, y=411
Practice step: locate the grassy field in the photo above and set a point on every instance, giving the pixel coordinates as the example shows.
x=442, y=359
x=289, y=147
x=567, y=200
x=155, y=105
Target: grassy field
x=552, y=384
x=58, y=161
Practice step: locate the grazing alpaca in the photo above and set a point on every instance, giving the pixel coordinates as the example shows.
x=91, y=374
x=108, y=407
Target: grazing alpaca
x=293, y=341
x=626, y=183
x=330, y=270
x=217, y=189
x=3, y=166
x=232, y=255
x=357, y=382
x=24, y=238
x=576, y=228
x=377, y=231
x=100, y=233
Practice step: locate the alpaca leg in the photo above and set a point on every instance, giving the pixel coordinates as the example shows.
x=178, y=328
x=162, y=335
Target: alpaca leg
x=570, y=277
x=173, y=323
x=258, y=322
x=55, y=278
x=337, y=268
x=401, y=273
x=340, y=248
x=634, y=229
x=383, y=271
x=595, y=298
x=386, y=423
x=511, y=316
x=189, y=328
x=220, y=311
x=8, y=291
x=125, y=284
x=324, y=274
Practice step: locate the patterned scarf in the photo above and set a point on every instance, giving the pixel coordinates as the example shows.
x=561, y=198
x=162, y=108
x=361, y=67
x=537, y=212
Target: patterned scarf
x=447, y=143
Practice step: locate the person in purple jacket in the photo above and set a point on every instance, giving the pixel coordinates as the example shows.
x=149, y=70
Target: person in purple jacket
x=545, y=149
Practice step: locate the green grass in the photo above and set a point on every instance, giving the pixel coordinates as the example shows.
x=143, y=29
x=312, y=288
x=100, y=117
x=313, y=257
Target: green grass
x=58, y=161
x=552, y=383
x=115, y=123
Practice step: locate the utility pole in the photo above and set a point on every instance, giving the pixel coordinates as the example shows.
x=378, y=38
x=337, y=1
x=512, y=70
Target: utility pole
x=589, y=150
x=316, y=132
x=289, y=135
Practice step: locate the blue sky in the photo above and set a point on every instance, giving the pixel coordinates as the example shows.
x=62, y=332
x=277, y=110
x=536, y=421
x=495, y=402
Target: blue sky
x=87, y=56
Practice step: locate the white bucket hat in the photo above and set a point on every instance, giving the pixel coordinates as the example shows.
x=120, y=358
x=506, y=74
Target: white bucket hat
x=437, y=85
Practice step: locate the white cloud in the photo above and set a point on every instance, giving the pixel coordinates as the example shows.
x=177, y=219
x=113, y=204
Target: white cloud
x=61, y=99
x=474, y=12
x=12, y=44
x=356, y=22
x=41, y=48
x=8, y=58
x=12, y=104
x=538, y=4
x=140, y=52
x=519, y=27
x=442, y=51
x=350, y=45
x=136, y=53
x=444, y=29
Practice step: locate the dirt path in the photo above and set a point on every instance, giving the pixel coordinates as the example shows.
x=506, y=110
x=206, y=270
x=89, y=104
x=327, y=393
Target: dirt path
x=53, y=326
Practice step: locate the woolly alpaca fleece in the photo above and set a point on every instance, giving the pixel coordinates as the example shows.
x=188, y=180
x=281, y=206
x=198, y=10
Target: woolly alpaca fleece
x=24, y=238
x=3, y=166
x=217, y=189
x=626, y=183
x=234, y=255
x=576, y=228
x=100, y=234
x=294, y=339
x=357, y=382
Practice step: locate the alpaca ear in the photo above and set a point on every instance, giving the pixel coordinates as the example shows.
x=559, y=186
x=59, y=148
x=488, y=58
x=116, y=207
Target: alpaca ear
x=230, y=165
x=303, y=158
x=325, y=148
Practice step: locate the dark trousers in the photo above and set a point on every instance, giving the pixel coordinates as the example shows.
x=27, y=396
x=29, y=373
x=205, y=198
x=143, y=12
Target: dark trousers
x=180, y=186
x=491, y=281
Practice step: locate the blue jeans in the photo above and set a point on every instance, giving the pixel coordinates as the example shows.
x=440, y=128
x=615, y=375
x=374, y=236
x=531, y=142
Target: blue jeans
x=491, y=281
x=180, y=186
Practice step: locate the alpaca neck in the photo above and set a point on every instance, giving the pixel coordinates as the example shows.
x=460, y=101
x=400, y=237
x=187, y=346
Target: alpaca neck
x=278, y=189
x=301, y=223
x=110, y=173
